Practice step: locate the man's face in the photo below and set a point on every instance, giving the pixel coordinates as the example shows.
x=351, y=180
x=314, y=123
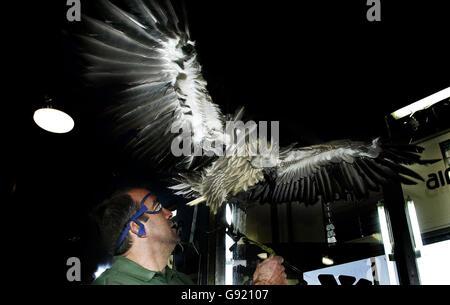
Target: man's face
x=159, y=226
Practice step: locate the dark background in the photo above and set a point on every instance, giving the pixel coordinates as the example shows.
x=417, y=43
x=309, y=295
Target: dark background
x=318, y=67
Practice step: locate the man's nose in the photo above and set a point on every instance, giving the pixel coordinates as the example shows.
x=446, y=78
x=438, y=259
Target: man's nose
x=168, y=214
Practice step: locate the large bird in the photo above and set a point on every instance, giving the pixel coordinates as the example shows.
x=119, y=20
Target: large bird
x=143, y=52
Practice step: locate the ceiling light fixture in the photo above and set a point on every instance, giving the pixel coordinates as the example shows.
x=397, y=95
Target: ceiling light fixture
x=422, y=104
x=53, y=120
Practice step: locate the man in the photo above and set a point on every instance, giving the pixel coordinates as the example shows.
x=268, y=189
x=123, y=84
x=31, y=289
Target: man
x=141, y=235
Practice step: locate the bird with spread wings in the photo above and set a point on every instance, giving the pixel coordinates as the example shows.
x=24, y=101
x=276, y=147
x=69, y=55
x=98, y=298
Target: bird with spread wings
x=144, y=52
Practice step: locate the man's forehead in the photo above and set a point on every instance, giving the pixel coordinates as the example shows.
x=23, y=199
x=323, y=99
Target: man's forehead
x=139, y=193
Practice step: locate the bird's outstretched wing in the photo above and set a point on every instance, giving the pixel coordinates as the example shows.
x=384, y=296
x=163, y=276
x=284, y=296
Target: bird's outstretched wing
x=150, y=63
x=337, y=168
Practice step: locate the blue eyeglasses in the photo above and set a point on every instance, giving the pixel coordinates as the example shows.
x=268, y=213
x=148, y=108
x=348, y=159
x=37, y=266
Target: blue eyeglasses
x=136, y=216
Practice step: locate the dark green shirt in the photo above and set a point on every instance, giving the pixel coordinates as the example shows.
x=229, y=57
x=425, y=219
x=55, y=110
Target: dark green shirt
x=126, y=272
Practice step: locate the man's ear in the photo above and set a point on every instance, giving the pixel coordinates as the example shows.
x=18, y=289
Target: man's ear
x=134, y=227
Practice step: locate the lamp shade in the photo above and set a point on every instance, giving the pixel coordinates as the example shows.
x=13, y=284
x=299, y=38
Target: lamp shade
x=53, y=120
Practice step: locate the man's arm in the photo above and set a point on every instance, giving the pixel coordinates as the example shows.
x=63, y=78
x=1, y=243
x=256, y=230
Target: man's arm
x=270, y=272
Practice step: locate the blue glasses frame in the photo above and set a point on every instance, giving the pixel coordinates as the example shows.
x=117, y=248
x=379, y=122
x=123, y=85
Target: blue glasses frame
x=141, y=211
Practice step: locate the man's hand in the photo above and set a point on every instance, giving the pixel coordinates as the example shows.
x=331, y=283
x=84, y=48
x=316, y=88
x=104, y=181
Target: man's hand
x=270, y=272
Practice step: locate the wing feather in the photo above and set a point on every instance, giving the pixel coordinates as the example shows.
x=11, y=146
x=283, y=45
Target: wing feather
x=335, y=169
x=158, y=89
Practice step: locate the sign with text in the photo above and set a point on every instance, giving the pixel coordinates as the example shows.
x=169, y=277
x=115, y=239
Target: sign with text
x=432, y=197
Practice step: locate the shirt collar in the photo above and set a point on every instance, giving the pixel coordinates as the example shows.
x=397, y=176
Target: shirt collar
x=126, y=265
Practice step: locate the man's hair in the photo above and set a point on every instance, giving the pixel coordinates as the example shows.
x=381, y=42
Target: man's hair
x=112, y=217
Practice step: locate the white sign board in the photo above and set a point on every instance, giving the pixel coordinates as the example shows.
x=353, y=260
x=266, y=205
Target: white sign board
x=432, y=197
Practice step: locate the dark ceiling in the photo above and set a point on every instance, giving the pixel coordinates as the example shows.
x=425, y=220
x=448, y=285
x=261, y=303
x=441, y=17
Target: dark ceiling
x=320, y=68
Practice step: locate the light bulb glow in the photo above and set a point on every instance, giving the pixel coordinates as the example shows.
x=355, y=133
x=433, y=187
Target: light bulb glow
x=262, y=255
x=101, y=269
x=53, y=120
x=327, y=261
x=228, y=214
x=414, y=225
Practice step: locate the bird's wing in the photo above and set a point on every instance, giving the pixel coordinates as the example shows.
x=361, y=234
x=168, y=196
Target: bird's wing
x=143, y=55
x=335, y=169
